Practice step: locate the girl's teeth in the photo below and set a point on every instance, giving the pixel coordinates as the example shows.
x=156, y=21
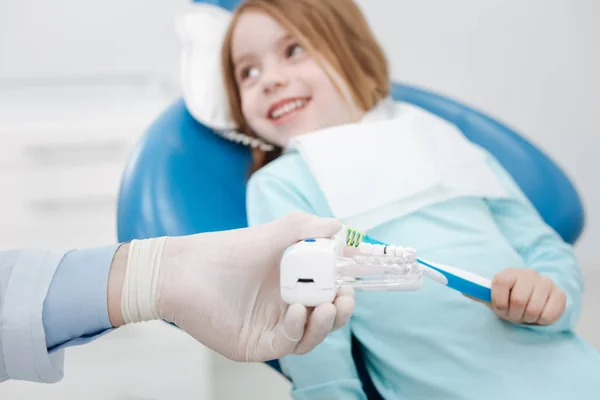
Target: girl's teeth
x=287, y=108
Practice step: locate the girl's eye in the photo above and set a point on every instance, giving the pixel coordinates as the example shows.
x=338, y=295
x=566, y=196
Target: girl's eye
x=248, y=72
x=294, y=50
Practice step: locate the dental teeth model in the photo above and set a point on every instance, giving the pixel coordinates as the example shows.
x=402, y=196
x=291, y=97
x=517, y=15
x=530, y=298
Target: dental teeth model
x=313, y=270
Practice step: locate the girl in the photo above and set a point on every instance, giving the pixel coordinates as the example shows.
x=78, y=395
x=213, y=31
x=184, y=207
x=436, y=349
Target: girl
x=293, y=67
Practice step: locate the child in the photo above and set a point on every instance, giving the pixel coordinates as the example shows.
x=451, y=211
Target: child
x=292, y=67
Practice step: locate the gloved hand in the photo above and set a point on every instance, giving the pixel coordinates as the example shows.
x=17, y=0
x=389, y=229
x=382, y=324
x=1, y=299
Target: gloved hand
x=223, y=289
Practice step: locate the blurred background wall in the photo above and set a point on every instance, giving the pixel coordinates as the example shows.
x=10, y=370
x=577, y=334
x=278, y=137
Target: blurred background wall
x=81, y=80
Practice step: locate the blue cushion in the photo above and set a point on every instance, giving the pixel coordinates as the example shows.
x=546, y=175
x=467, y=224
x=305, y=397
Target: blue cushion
x=183, y=179
x=546, y=186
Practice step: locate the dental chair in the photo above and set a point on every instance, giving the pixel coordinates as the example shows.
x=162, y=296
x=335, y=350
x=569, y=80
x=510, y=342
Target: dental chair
x=182, y=178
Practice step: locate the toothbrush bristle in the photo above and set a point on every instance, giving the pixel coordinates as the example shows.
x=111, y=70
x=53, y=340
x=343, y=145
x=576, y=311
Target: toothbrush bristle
x=354, y=237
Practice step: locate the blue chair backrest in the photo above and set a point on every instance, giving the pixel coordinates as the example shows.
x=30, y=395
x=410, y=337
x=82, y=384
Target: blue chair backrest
x=184, y=179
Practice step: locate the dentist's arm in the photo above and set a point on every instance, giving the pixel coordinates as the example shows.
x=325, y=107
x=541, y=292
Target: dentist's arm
x=222, y=288
x=49, y=300
x=75, y=309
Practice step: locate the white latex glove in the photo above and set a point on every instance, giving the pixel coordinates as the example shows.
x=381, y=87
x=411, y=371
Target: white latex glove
x=223, y=289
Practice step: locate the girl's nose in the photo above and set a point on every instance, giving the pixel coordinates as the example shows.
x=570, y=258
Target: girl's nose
x=274, y=80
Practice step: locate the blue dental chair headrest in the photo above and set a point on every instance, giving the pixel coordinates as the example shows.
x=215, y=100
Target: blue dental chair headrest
x=183, y=178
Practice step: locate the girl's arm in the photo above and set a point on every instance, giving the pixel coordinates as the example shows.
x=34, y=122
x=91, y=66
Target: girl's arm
x=543, y=251
x=327, y=372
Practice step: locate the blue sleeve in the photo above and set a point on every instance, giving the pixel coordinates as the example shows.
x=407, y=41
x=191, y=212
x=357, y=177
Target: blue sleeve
x=541, y=248
x=329, y=370
x=75, y=310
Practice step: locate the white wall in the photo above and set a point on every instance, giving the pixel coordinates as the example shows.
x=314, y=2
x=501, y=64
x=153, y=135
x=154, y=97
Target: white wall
x=72, y=39
x=79, y=82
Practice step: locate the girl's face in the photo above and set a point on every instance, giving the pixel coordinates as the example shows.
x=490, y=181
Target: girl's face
x=284, y=92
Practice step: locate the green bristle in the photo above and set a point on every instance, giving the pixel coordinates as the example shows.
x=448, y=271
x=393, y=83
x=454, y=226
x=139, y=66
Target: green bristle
x=354, y=237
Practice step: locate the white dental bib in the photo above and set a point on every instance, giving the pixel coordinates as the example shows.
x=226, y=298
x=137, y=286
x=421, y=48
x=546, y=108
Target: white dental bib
x=397, y=160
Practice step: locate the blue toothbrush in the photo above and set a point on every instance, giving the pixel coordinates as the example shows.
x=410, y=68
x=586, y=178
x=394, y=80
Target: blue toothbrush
x=465, y=282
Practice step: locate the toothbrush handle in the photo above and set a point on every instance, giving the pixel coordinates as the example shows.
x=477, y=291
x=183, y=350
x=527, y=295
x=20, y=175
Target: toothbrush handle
x=464, y=281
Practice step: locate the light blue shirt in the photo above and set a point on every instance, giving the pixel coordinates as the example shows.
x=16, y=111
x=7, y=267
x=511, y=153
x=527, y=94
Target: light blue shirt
x=75, y=310
x=50, y=300
x=435, y=343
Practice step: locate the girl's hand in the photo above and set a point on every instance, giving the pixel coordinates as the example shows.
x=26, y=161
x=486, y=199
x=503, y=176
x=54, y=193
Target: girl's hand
x=524, y=296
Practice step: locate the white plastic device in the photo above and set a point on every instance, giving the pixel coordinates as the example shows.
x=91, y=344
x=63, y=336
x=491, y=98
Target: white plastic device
x=313, y=270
